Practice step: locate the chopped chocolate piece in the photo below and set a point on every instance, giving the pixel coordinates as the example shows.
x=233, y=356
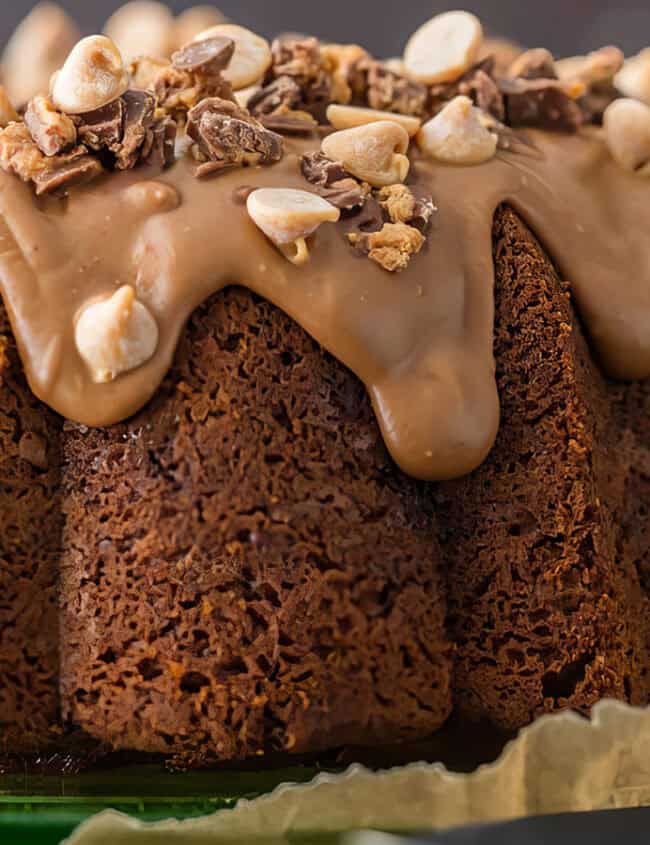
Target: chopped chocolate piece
x=33, y=449
x=423, y=213
x=159, y=146
x=478, y=84
x=207, y=168
x=345, y=63
x=402, y=206
x=289, y=122
x=177, y=91
x=207, y=57
x=299, y=58
x=484, y=91
x=282, y=93
x=322, y=171
x=540, y=103
x=346, y=193
x=389, y=91
x=67, y=173
x=333, y=182
x=139, y=109
x=227, y=134
x=52, y=131
x=302, y=61
x=392, y=246
x=369, y=218
x=103, y=128
x=533, y=64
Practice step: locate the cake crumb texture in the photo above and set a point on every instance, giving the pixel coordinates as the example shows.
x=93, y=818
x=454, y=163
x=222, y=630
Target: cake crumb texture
x=545, y=603
x=242, y=569
x=30, y=535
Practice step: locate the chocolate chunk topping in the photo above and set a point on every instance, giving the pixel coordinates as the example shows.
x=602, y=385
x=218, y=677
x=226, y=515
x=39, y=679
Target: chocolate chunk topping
x=282, y=93
x=391, y=227
x=322, y=171
x=278, y=106
x=484, y=91
x=478, y=84
x=403, y=206
x=541, y=103
x=158, y=149
x=389, y=91
x=226, y=135
x=138, y=117
x=52, y=131
x=103, y=128
x=177, y=91
x=209, y=56
x=333, y=182
x=289, y=122
x=67, y=173
x=301, y=60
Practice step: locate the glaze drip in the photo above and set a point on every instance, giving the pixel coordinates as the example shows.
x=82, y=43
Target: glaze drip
x=421, y=340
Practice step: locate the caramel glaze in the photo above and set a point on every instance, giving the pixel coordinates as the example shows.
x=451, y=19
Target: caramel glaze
x=420, y=340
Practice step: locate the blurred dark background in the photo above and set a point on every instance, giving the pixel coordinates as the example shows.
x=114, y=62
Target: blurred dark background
x=564, y=26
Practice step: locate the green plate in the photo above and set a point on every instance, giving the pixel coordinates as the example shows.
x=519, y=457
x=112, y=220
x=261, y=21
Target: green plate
x=44, y=809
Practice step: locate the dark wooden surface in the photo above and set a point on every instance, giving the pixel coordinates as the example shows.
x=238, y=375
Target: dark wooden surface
x=565, y=26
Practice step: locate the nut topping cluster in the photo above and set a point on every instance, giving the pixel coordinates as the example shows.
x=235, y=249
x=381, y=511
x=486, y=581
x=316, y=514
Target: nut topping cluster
x=92, y=119
x=200, y=86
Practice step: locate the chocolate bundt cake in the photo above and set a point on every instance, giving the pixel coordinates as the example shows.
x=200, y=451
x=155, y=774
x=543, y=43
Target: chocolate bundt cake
x=306, y=439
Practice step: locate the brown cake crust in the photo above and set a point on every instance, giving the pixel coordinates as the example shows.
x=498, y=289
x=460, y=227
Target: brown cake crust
x=245, y=569
x=30, y=533
x=545, y=605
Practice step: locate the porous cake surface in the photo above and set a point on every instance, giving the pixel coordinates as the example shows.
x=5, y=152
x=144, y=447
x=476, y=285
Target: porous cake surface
x=278, y=584
x=343, y=425
x=244, y=569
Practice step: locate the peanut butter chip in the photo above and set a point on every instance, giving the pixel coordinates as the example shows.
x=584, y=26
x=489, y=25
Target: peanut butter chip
x=457, y=135
x=116, y=335
x=288, y=216
x=374, y=153
x=627, y=133
x=92, y=76
x=443, y=48
x=346, y=117
x=252, y=56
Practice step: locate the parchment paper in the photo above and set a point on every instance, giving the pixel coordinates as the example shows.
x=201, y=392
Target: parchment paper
x=561, y=763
